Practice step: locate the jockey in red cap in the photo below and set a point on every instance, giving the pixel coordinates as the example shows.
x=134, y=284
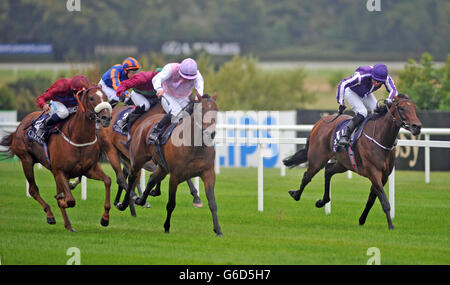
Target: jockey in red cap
x=143, y=95
x=59, y=100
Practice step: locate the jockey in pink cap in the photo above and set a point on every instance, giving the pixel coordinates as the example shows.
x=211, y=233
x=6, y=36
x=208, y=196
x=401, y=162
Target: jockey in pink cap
x=174, y=85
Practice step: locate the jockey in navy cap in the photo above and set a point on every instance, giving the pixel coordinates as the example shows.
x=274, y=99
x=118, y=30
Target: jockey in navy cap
x=358, y=90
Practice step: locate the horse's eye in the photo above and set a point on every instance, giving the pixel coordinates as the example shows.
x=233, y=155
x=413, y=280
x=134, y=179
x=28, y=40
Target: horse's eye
x=92, y=99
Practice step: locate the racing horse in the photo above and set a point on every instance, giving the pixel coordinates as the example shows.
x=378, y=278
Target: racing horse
x=72, y=152
x=372, y=156
x=183, y=156
x=116, y=149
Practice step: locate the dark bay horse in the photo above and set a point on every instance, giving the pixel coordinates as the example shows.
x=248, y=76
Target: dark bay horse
x=184, y=156
x=72, y=152
x=374, y=152
x=116, y=149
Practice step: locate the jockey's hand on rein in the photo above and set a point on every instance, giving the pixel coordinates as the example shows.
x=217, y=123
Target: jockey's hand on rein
x=46, y=107
x=122, y=97
x=341, y=109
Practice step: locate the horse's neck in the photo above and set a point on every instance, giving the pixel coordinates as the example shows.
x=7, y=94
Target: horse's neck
x=79, y=128
x=386, y=130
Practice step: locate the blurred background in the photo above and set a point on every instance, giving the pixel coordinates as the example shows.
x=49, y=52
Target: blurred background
x=258, y=54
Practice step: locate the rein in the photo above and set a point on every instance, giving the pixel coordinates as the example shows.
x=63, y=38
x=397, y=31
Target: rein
x=395, y=120
x=89, y=117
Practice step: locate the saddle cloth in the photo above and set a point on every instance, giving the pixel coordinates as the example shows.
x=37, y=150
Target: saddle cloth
x=340, y=129
x=118, y=127
x=37, y=124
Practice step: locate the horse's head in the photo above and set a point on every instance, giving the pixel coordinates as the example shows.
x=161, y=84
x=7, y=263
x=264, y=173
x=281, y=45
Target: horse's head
x=208, y=117
x=403, y=111
x=96, y=106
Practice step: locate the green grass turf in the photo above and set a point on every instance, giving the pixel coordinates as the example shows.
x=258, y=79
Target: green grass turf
x=286, y=232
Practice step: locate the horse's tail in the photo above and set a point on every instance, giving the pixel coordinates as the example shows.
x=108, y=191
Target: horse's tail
x=299, y=157
x=7, y=142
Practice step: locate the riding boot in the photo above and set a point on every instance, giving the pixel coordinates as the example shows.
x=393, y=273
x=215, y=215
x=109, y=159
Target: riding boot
x=50, y=121
x=132, y=117
x=344, y=141
x=155, y=133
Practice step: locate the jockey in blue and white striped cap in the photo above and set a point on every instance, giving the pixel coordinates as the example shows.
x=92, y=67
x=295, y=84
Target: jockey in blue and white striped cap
x=358, y=90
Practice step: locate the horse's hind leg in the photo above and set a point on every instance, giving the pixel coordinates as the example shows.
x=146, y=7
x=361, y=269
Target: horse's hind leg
x=307, y=176
x=27, y=165
x=330, y=169
x=197, y=202
x=96, y=172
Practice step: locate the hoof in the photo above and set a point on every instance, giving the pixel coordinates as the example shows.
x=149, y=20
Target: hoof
x=391, y=227
x=51, y=221
x=197, y=203
x=72, y=230
x=362, y=221
x=121, y=207
x=294, y=195
x=71, y=203
x=146, y=205
x=104, y=222
x=320, y=203
x=139, y=201
x=155, y=193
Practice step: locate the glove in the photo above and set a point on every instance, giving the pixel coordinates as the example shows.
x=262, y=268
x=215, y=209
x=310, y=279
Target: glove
x=341, y=109
x=122, y=97
x=388, y=102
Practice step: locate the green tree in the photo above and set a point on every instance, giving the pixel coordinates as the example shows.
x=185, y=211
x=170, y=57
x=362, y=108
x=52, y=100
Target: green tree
x=426, y=85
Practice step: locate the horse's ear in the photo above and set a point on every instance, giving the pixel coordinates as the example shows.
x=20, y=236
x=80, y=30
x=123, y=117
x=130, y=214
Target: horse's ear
x=214, y=97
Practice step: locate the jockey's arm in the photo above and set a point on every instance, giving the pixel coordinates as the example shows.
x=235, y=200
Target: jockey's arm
x=59, y=86
x=159, y=78
x=390, y=87
x=350, y=81
x=199, y=84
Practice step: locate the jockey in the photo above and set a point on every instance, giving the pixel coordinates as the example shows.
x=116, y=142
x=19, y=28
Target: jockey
x=112, y=78
x=143, y=94
x=174, y=85
x=62, y=100
x=357, y=90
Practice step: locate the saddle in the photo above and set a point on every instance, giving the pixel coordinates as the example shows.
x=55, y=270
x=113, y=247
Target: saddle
x=37, y=124
x=340, y=129
x=166, y=133
x=119, y=126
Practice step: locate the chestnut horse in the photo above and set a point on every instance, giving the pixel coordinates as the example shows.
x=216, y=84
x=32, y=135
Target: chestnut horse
x=72, y=152
x=374, y=153
x=184, y=156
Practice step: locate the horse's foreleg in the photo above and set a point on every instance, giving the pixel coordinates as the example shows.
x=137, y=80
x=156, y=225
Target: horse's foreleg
x=173, y=185
x=96, y=172
x=197, y=202
x=154, y=179
x=27, y=165
x=64, y=197
x=330, y=170
x=209, y=179
x=377, y=186
x=369, y=204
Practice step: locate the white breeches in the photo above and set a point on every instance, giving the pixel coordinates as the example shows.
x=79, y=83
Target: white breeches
x=360, y=105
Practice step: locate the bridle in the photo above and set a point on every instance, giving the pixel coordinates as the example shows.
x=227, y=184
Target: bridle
x=400, y=119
